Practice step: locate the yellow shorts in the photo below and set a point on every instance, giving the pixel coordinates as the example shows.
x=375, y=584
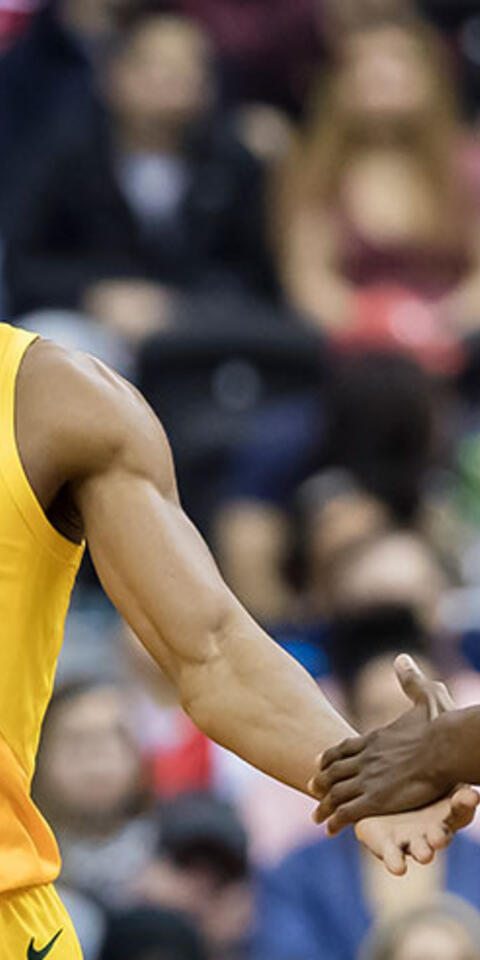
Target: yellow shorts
x=34, y=925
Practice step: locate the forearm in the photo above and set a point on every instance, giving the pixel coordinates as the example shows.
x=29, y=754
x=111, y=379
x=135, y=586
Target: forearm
x=234, y=681
x=254, y=699
x=454, y=745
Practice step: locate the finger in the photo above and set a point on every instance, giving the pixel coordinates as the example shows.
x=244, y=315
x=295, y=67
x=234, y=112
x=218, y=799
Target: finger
x=462, y=811
x=421, y=851
x=349, y=748
x=445, y=698
x=338, y=796
x=394, y=858
x=323, y=781
x=420, y=689
x=347, y=814
x=438, y=836
x=438, y=699
x=412, y=680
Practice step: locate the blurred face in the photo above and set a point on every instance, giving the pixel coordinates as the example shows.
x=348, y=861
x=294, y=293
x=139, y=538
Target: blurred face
x=385, y=76
x=91, y=16
x=377, y=696
x=397, y=568
x=163, y=74
x=435, y=940
x=89, y=765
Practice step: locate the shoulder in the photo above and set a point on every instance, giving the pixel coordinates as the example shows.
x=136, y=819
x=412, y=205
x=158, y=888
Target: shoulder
x=88, y=415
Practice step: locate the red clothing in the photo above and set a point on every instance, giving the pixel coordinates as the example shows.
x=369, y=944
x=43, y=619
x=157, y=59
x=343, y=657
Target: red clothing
x=426, y=270
x=268, y=47
x=14, y=18
x=398, y=286
x=182, y=766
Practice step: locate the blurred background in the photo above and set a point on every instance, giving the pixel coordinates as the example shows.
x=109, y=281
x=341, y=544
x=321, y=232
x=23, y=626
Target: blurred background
x=266, y=213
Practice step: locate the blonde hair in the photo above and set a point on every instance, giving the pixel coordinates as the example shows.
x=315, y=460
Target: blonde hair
x=382, y=941
x=312, y=173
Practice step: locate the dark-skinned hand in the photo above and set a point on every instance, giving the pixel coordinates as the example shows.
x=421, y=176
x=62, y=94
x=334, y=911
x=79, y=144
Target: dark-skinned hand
x=391, y=770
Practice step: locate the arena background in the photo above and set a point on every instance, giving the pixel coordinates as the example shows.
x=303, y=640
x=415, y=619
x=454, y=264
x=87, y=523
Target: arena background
x=266, y=213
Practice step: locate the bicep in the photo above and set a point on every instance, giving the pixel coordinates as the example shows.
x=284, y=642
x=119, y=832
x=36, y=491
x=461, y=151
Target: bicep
x=110, y=451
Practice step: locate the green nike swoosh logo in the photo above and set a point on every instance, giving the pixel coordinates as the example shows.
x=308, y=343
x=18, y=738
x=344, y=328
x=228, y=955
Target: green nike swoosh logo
x=40, y=954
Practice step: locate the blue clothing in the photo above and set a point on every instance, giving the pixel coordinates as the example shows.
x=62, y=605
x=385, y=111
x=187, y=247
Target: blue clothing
x=312, y=906
x=280, y=451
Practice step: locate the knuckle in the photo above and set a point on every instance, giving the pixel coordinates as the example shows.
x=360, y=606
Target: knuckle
x=328, y=758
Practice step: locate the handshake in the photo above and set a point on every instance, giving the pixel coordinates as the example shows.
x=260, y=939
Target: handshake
x=414, y=764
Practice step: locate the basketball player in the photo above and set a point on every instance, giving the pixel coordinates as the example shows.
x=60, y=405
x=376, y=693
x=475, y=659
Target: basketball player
x=83, y=457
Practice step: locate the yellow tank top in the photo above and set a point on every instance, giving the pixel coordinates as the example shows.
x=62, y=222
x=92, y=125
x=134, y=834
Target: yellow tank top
x=37, y=572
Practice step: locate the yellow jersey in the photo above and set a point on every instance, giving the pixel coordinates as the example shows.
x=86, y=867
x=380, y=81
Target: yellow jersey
x=38, y=567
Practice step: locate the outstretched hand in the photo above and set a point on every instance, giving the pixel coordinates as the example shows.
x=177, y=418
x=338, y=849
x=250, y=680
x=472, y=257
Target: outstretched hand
x=418, y=834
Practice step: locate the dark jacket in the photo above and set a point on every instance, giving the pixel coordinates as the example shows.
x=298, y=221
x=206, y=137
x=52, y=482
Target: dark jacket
x=73, y=225
x=45, y=80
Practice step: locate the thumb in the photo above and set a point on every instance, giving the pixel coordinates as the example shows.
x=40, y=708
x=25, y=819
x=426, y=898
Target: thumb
x=420, y=689
x=412, y=680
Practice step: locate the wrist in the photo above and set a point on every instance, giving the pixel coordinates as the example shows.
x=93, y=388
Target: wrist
x=441, y=750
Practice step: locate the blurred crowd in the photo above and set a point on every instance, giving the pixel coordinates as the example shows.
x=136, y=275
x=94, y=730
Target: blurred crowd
x=266, y=213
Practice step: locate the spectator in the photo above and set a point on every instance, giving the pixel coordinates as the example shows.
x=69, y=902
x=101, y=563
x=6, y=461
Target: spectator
x=302, y=904
x=151, y=934
x=354, y=563
x=388, y=447
x=355, y=13
x=155, y=194
x=378, y=207
x=89, y=920
x=201, y=867
x=90, y=783
x=336, y=452
x=262, y=58
x=46, y=80
x=445, y=929
x=14, y=18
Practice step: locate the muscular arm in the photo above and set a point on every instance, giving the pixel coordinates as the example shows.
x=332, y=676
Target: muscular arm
x=238, y=686
x=83, y=432
x=233, y=680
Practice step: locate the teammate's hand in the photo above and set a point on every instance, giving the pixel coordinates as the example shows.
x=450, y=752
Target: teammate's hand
x=420, y=689
x=418, y=834
x=394, y=769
